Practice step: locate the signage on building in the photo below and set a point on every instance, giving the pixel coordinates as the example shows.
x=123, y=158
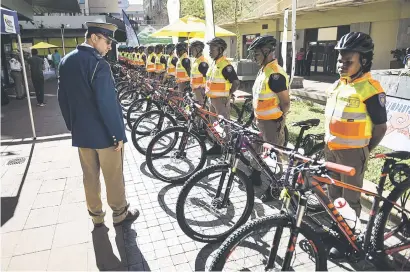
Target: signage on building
x=249, y=39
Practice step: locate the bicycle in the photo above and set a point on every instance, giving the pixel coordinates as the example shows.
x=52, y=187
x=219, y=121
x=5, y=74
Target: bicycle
x=216, y=197
x=368, y=245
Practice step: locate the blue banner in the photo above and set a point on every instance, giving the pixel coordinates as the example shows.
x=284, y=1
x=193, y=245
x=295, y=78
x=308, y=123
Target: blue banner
x=132, y=39
x=9, y=22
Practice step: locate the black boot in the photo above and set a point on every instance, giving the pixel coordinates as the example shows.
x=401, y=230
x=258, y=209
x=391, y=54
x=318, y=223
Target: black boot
x=256, y=177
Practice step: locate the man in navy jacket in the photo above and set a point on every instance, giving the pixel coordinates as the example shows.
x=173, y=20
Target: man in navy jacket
x=87, y=98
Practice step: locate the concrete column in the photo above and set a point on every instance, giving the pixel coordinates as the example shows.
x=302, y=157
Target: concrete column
x=403, y=34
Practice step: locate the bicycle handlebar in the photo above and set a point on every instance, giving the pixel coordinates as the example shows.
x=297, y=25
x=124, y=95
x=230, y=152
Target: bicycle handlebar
x=335, y=167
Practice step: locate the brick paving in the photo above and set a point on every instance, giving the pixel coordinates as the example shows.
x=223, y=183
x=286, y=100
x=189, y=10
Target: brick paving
x=45, y=224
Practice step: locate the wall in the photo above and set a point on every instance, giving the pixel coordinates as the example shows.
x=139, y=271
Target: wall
x=384, y=35
x=403, y=37
x=361, y=27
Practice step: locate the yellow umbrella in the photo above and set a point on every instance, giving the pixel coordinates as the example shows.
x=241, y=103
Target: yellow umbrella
x=43, y=45
x=190, y=27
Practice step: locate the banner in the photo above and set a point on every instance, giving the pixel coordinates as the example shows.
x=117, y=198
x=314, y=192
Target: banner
x=292, y=74
x=209, y=25
x=132, y=39
x=9, y=22
x=173, y=8
x=397, y=136
x=285, y=38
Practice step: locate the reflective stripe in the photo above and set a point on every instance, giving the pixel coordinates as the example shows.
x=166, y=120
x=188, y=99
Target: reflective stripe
x=213, y=94
x=349, y=115
x=268, y=112
x=349, y=143
x=265, y=96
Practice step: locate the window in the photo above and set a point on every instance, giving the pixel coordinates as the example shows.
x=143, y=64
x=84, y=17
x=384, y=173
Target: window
x=81, y=1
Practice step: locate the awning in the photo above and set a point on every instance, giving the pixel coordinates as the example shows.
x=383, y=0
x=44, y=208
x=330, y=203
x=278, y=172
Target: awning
x=49, y=6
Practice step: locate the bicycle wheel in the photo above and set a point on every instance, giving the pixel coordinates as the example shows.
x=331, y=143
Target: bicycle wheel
x=175, y=154
x=147, y=126
x=139, y=107
x=248, y=248
x=391, y=231
x=127, y=98
x=202, y=216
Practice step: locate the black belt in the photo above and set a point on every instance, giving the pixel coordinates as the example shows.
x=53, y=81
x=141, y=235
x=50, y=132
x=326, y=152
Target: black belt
x=15, y=71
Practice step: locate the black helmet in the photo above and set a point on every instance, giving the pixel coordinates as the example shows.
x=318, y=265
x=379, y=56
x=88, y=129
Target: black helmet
x=263, y=41
x=141, y=47
x=218, y=42
x=159, y=47
x=198, y=44
x=170, y=46
x=181, y=46
x=356, y=42
x=150, y=48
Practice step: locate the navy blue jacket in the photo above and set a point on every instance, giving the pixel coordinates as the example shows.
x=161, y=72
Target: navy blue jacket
x=88, y=102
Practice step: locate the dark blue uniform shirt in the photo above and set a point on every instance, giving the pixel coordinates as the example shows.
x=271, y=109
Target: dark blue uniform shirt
x=88, y=102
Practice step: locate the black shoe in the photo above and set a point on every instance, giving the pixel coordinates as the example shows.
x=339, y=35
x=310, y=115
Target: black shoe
x=215, y=150
x=336, y=254
x=132, y=215
x=256, y=178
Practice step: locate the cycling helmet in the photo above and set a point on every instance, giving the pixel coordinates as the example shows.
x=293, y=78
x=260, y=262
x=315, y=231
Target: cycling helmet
x=198, y=44
x=170, y=46
x=181, y=46
x=263, y=41
x=150, y=48
x=218, y=42
x=159, y=47
x=356, y=42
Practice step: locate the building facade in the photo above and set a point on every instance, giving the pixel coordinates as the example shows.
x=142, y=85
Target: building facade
x=321, y=23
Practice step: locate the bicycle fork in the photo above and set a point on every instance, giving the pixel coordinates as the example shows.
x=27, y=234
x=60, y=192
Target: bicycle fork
x=229, y=185
x=292, y=239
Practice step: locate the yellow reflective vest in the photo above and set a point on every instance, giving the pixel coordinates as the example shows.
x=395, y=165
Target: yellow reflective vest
x=159, y=67
x=171, y=69
x=348, y=124
x=216, y=84
x=266, y=103
x=150, y=65
x=182, y=75
x=197, y=78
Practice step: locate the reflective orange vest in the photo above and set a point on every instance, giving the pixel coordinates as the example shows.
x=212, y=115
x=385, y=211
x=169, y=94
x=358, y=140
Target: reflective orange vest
x=150, y=65
x=182, y=75
x=197, y=79
x=141, y=59
x=348, y=124
x=171, y=69
x=159, y=67
x=216, y=84
x=266, y=103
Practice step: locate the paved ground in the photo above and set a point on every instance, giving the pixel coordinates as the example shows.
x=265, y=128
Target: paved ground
x=44, y=221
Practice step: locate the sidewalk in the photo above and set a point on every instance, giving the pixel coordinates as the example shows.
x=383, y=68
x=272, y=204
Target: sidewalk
x=45, y=224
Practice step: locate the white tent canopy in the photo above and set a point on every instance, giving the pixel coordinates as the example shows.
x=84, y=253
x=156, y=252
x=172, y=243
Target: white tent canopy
x=10, y=25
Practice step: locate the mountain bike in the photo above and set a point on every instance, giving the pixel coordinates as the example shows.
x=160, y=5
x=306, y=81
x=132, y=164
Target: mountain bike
x=306, y=241
x=226, y=192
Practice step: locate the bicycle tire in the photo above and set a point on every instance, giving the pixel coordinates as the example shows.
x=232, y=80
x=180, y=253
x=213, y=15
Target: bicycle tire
x=382, y=217
x=150, y=156
x=229, y=245
x=135, y=132
x=127, y=96
x=182, y=198
x=149, y=107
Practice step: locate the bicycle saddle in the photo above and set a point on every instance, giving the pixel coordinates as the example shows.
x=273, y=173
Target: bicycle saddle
x=307, y=123
x=401, y=155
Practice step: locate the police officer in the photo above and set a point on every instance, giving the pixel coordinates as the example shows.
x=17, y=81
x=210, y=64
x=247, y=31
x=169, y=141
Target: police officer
x=221, y=82
x=271, y=99
x=150, y=64
x=143, y=57
x=198, y=71
x=86, y=94
x=355, y=115
x=183, y=67
x=171, y=62
x=160, y=60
